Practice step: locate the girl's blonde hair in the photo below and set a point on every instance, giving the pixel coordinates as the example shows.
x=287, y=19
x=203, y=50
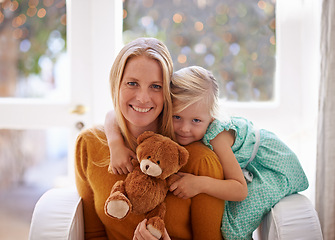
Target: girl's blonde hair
x=154, y=49
x=192, y=84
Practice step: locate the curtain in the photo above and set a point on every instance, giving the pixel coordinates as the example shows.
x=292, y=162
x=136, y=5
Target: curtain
x=325, y=173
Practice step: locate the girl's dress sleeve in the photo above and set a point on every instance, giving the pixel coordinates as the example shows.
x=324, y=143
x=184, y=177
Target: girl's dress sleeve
x=94, y=229
x=206, y=211
x=214, y=129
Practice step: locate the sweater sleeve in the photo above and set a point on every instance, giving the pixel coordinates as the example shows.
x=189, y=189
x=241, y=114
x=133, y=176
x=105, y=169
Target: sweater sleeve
x=206, y=211
x=94, y=229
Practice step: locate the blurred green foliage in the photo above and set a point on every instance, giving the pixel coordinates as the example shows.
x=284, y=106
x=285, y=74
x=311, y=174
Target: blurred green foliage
x=39, y=29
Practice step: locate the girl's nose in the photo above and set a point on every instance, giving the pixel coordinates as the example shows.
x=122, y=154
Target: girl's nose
x=185, y=128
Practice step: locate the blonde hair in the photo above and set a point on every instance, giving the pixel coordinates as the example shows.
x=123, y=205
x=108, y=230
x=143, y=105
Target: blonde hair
x=192, y=84
x=154, y=49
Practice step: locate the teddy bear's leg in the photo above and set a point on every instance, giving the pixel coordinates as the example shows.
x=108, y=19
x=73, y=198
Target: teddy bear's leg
x=155, y=223
x=117, y=204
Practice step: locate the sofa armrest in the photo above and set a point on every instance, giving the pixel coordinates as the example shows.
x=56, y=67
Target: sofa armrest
x=293, y=217
x=58, y=214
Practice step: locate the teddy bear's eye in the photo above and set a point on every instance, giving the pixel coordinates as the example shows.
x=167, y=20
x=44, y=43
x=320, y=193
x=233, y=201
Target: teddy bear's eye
x=148, y=157
x=158, y=162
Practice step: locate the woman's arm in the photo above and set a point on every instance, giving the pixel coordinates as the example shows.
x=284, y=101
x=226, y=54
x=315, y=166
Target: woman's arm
x=142, y=233
x=94, y=229
x=120, y=160
x=206, y=211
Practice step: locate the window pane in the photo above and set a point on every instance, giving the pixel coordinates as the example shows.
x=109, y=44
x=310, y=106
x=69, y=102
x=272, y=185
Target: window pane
x=235, y=39
x=33, y=48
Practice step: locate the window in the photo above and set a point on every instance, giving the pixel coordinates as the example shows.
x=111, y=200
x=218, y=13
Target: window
x=233, y=39
x=32, y=49
x=288, y=32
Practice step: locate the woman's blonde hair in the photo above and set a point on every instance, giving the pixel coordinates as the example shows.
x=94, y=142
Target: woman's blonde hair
x=192, y=84
x=154, y=49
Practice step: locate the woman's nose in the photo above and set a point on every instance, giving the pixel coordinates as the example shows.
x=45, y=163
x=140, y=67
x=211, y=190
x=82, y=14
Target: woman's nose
x=142, y=96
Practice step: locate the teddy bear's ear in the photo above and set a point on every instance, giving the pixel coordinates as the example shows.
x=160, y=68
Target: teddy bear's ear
x=144, y=136
x=183, y=156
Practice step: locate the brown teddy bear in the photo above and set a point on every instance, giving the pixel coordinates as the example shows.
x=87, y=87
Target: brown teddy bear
x=145, y=188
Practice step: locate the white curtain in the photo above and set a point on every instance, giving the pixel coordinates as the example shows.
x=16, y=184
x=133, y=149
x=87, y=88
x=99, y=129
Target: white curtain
x=325, y=176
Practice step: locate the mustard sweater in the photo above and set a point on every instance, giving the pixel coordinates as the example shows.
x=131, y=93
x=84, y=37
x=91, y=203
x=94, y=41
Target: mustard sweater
x=196, y=218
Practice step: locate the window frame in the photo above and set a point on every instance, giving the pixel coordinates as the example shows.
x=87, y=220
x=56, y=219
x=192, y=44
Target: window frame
x=293, y=113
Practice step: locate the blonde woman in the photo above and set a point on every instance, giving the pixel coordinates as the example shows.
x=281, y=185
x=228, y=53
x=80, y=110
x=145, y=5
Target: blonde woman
x=140, y=89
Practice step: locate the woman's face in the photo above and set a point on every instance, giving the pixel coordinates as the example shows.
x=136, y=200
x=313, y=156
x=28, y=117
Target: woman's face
x=141, y=93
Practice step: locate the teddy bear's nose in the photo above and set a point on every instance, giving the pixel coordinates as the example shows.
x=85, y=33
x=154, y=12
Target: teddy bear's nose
x=147, y=167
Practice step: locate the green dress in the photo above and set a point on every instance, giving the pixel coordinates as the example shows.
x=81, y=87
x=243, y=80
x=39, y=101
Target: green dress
x=275, y=169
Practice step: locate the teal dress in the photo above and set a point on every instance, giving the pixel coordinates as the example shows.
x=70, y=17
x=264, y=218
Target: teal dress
x=276, y=172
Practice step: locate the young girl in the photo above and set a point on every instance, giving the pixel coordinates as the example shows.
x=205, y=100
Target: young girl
x=271, y=170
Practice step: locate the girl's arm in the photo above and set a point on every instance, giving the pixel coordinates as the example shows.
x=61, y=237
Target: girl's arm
x=120, y=155
x=232, y=188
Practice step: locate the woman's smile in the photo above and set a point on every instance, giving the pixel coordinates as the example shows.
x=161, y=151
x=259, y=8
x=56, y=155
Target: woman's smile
x=141, y=109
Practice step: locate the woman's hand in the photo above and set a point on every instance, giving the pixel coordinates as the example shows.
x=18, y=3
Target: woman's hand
x=120, y=160
x=187, y=186
x=142, y=233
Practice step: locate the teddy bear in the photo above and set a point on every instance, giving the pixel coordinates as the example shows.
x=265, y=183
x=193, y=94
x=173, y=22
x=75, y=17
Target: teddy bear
x=145, y=188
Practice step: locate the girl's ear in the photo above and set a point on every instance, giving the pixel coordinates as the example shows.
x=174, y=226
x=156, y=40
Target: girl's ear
x=143, y=136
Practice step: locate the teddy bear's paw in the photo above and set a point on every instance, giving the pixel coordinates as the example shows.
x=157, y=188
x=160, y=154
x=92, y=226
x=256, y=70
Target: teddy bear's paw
x=117, y=206
x=154, y=231
x=156, y=226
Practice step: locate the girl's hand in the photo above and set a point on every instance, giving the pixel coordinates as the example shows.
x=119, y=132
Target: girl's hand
x=142, y=233
x=120, y=160
x=187, y=186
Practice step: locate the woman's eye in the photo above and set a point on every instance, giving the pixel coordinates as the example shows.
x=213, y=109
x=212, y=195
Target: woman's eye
x=156, y=86
x=176, y=117
x=132, y=83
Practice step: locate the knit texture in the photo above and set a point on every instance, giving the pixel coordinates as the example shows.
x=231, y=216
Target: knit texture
x=196, y=218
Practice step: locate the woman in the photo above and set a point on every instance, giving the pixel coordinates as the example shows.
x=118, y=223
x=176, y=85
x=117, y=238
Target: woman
x=140, y=88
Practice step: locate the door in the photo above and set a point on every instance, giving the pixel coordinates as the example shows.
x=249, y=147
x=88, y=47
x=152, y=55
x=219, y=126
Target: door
x=92, y=42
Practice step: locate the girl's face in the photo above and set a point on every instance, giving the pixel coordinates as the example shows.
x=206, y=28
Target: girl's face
x=141, y=94
x=190, y=125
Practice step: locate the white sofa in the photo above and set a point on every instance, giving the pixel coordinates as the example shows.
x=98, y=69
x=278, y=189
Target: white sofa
x=58, y=215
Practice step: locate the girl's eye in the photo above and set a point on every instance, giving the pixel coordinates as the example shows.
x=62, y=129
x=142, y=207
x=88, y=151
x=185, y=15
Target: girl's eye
x=196, y=120
x=176, y=117
x=156, y=86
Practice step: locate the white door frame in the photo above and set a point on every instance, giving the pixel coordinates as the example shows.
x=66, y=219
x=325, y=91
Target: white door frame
x=94, y=37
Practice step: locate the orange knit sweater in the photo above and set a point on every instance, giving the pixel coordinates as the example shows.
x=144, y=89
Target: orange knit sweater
x=196, y=218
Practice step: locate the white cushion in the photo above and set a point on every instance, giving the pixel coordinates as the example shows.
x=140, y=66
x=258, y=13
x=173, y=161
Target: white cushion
x=58, y=214
x=294, y=217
